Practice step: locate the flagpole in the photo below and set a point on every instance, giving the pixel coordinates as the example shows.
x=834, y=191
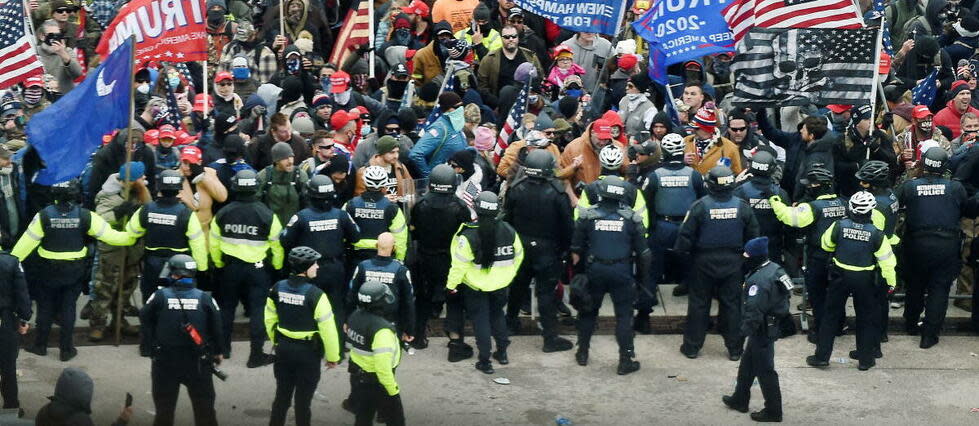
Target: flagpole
x=126, y=183
x=282, y=19
x=30, y=21
x=206, y=103
x=370, y=36
x=876, y=82
x=603, y=74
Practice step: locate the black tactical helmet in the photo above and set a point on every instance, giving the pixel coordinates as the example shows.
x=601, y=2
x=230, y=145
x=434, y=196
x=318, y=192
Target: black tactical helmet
x=442, y=179
x=374, y=295
x=720, y=178
x=818, y=175
x=171, y=181
x=66, y=191
x=612, y=187
x=935, y=160
x=874, y=172
x=245, y=182
x=539, y=163
x=302, y=257
x=320, y=187
x=181, y=265
x=762, y=164
x=487, y=204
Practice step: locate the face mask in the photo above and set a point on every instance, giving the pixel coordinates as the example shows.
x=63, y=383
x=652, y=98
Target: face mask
x=396, y=89
x=241, y=73
x=142, y=88
x=292, y=65
x=174, y=81
x=633, y=96
x=215, y=17
x=365, y=130
x=754, y=262
x=325, y=84
x=925, y=126
x=457, y=118
x=533, y=99
x=722, y=68
x=574, y=92
x=342, y=98
x=402, y=37
x=33, y=96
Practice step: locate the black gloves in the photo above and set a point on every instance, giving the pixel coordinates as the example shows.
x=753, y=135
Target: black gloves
x=125, y=209
x=195, y=170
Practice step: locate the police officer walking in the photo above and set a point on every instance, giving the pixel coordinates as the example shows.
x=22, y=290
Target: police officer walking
x=242, y=235
x=766, y=293
x=181, y=332
x=60, y=232
x=375, y=353
x=168, y=227
x=300, y=323
x=933, y=207
x=714, y=232
x=328, y=231
x=858, y=248
x=374, y=212
x=540, y=211
x=435, y=218
x=389, y=271
x=15, y=310
x=606, y=238
x=486, y=255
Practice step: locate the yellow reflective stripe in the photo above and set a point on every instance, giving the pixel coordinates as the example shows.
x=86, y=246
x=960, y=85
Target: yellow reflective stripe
x=889, y=255
x=196, y=235
x=383, y=350
x=33, y=236
x=242, y=242
x=298, y=335
x=359, y=351
x=794, y=215
x=167, y=248
x=853, y=268
x=461, y=258
x=66, y=255
x=101, y=230
x=502, y=263
x=325, y=317
x=399, y=230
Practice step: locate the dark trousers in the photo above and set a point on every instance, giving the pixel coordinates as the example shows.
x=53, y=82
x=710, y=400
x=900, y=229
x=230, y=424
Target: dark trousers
x=616, y=280
x=455, y=313
x=661, y=239
x=934, y=267
x=58, y=295
x=244, y=282
x=713, y=273
x=485, y=310
x=152, y=266
x=543, y=265
x=297, y=371
x=842, y=284
x=433, y=271
x=9, y=347
x=175, y=367
x=759, y=361
x=369, y=397
x=329, y=278
x=817, y=268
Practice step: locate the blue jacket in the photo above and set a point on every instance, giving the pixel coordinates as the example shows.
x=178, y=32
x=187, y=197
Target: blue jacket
x=427, y=154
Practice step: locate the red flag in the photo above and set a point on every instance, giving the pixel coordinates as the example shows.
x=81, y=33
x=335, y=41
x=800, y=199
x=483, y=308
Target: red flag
x=165, y=30
x=18, y=60
x=742, y=15
x=355, y=30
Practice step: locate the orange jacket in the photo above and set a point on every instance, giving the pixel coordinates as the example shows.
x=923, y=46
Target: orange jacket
x=722, y=148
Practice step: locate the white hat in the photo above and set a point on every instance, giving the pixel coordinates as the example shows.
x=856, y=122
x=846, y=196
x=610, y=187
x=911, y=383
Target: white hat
x=625, y=46
x=239, y=61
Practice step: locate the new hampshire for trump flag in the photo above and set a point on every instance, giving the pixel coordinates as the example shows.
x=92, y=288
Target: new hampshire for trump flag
x=67, y=133
x=805, y=66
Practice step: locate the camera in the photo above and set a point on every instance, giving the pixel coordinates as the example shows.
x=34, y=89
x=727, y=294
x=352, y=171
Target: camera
x=52, y=37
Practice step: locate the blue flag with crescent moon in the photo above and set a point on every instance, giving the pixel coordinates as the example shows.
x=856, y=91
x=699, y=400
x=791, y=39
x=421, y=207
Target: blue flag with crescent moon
x=66, y=133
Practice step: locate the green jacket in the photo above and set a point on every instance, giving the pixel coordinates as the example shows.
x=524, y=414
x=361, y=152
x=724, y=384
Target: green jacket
x=282, y=191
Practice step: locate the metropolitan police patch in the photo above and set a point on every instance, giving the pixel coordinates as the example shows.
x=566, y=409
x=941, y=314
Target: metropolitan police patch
x=753, y=290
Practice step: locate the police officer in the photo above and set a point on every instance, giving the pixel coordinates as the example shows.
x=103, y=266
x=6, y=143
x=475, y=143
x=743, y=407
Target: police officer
x=375, y=353
x=858, y=248
x=714, y=231
x=606, y=237
x=328, y=231
x=611, y=159
x=168, y=227
x=815, y=216
x=391, y=272
x=756, y=190
x=875, y=177
x=181, y=332
x=15, y=310
x=299, y=321
x=242, y=235
x=933, y=207
x=62, y=231
x=670, y=190
x=539, y=209
x=434, y=220
x=486, y=255
x=375, y=212
x=766, y=302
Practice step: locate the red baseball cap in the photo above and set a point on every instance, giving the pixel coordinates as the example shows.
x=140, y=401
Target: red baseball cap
x=417, y=7
x=223, y=75
x=838, y=108
x=628, y=61
x=341, y=118
x=167, y=132
x=199, y=103
x=339, y=82
x=184, y=138
x=602, y=129
x=921, y=111
x=192, y=154
x=151, y=137
x=35, y=81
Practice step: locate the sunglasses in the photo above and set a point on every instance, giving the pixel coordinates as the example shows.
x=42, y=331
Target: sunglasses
x=62, y=10
x=325, y=147
x=225, y=83
x=392, y=129
x=142, y=81
x=509, y=37
x=737, y=129
x=516, y=20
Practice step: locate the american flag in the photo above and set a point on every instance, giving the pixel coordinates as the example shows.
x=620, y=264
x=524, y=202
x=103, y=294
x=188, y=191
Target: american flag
x=805, y=66
x=173, y=110
x=512, y=121
x=742, y=15
x=355, y=30
x=18, y=59
x=877, y=12
x=437, y=112
x=924, y=93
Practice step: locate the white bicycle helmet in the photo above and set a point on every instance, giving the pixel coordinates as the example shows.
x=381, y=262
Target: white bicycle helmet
x=611, y=157
x=862, y=203
x=672, y=144
x=375, y=177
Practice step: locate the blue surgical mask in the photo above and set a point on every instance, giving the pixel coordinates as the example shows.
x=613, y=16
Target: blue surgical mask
x=174, y=81
x=241, y=73
x=365, y=130
x=574, y=92
x=457, y=118
x=325, y=84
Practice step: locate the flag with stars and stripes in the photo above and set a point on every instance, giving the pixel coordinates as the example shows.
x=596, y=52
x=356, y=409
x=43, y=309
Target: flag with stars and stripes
x=18, y=59
x=173, y=110
x=437, y=112
x=513, y=120
x=802, y=66
x=924, y=93
x=743, y=15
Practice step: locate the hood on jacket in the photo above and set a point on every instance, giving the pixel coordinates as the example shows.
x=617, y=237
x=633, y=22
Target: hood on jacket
x=75, y=389
x=269, y=94
x=253, y=101
x=112, y=185
x=663, y=118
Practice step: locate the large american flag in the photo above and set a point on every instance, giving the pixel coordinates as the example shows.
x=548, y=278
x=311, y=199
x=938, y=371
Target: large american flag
x=805, y=66
x=355, y=30
x=18, y=59
x=437, y=111
x=173, y=110
x=742, y=15
x=512, y=121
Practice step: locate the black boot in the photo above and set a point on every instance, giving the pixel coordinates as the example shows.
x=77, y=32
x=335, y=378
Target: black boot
x=816, y=362
x=557, y=344
x=259, y=359
x=928, y=340
x=459, y=350
x=37, y=350
x=878, y=355
x=766, y=416
x=485, y=367
x=420, y=342
x=581, y=356
x=735, y=404
x=67, y=354
x=501, y=357
x=680, y=290
x=641, y=323
x=627, y=364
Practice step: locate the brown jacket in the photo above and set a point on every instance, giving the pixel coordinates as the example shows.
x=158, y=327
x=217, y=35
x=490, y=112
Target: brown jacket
x=406, y=185
x=488, y=75
x=427, y=65
x=590, y=168
x=513, y=151
x=723, y=147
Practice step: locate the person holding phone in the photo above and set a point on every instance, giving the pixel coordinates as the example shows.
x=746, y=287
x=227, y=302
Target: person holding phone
x=56, y=57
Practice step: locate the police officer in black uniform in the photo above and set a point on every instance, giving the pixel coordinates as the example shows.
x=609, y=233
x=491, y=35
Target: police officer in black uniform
x=389, y=271
x=182, y=333
x=168, y=227
x=374, y=355
x=714, y=232
x=301, y=324
x=933, y=207
x=15, y=310
x=539, y=209
x=756, y=190
x=607, y=237
x=435, y=218
x=327, y=230
x=766, y=302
